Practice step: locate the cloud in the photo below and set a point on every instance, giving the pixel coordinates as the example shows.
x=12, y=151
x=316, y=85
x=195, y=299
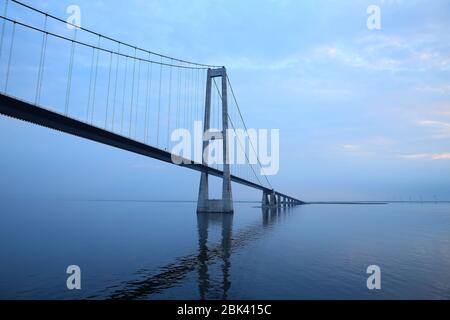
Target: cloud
x=401, y=2
x=443, y=113
x=369, y=147
x=371, y=53
x=441, y=156
x=255, y=63
x=389, y=53
x=428, y=156
x=350, y=147
x=433, y=123
x=441, y=89
x=441, y=129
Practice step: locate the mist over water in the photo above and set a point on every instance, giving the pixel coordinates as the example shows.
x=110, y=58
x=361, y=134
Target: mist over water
x=153, y=250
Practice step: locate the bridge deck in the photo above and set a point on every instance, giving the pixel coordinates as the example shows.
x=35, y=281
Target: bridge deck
x=25, y=111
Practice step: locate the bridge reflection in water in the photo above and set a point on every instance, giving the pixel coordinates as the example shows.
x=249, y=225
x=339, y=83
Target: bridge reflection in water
x=148, y=284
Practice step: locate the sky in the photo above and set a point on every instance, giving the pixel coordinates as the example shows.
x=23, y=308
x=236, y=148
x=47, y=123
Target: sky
x=363, y=114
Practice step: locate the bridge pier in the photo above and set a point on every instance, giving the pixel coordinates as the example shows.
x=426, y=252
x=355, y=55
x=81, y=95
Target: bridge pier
x=265, y=199
x=274, y=200
x=204, y=204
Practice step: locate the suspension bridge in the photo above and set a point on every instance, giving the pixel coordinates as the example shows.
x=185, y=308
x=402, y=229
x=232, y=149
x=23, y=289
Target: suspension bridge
x=75, y=80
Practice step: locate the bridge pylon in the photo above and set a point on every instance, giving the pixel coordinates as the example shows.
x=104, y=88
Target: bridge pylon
x=205, y=204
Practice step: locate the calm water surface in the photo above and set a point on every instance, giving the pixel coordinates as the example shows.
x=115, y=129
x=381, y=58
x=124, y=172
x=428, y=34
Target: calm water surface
x=148, y=250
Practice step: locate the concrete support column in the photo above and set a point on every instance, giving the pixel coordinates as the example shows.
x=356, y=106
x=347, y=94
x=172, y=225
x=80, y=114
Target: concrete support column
x=225, y=204
x=273, y=199
x=227, y=197
x=203, y=193
x=265, y=202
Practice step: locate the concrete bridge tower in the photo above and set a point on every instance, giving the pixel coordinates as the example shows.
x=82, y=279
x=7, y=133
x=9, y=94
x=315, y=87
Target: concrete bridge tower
x=205, y=204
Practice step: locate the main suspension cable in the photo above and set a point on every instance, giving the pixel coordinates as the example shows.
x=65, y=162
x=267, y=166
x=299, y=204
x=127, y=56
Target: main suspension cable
x=110, y=38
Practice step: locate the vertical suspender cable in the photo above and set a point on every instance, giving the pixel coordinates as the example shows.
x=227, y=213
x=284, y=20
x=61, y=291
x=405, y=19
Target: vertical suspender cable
x=159, y=102
x=10, y=56
x=90, y=84
x=199, y=115
x=95, y=81
x=190, y=100
x=108, y=89
x=189, y=110
x=5, y=12
x=69, y=76
x=195, y=94
x=124, y=93
x=41, y=63
x=178, y=99
x=203, y=95
x=170, y=101
x=137, y=99
x=185, y=98
x=219, y=108
x=146, y=101
x=132, y=92
x=115, y=87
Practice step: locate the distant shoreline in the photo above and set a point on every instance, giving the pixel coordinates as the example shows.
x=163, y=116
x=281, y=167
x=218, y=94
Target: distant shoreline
x=376, y=202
